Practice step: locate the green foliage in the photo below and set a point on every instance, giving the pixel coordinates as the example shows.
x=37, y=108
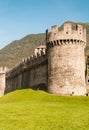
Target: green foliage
x=37, y=110
x=17, y=50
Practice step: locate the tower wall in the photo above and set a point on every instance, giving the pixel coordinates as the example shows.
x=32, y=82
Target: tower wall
x=2, y=80
x=66, y=61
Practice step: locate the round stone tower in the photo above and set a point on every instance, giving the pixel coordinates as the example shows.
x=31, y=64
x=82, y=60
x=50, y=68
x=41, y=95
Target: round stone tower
x=66, y=60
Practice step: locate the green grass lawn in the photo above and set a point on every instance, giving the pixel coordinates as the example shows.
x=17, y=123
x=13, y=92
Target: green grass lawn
x=37, y=110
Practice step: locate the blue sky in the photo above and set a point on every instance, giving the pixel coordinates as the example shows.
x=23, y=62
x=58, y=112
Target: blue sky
x=19, y=18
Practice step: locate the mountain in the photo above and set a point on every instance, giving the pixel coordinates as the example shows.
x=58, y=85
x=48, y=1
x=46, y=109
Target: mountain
x=14, y=52
x=17, y=50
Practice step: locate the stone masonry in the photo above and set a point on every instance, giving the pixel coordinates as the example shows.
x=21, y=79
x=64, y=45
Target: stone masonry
x=66, y=60
x=3, y=71
x=58, y=67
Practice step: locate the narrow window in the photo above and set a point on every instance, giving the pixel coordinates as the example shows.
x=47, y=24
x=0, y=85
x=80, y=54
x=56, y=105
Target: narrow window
x=66, y=32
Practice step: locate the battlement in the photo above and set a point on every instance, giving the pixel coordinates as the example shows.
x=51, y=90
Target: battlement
x=69, y=31
x=37, y=58
x=3, y=70
x=40, y=50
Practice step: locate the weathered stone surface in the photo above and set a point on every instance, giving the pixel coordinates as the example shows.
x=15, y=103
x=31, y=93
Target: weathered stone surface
x=58, y=68
x=31, y=73
x=2, y=80
x=64, y=69
x=66, y=61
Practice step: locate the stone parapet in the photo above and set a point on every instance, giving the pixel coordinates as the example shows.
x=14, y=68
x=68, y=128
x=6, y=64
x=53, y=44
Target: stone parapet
x=69, y=31
x=65, y=42
x=26, y=64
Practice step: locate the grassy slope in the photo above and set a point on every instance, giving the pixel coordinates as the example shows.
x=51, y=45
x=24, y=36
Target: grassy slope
x=24, y=47
x=37, y=110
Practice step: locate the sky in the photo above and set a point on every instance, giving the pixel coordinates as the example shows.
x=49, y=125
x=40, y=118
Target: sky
x=19, y=18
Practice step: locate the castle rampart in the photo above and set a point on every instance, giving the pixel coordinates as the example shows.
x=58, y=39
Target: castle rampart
x=30, y=73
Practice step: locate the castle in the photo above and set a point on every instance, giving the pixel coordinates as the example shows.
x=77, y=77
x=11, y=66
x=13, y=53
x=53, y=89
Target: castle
x=57, y=67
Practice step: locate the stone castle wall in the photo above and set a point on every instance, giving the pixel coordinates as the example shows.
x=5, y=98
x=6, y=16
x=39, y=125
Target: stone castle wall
x=2, y=80
x=30, y=73
x=58, y=67
x=64, y=69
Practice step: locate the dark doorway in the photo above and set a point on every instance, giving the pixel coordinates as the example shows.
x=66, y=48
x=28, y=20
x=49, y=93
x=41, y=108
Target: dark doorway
x=42, y=87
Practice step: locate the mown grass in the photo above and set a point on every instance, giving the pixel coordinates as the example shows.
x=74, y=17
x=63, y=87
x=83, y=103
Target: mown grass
x=38, y=110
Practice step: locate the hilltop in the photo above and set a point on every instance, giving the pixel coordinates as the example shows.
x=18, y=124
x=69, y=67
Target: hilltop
x=19, y=49
x=37, y=110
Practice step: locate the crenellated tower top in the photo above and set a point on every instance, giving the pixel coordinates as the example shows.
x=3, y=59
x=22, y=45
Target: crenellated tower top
x=69, y=31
